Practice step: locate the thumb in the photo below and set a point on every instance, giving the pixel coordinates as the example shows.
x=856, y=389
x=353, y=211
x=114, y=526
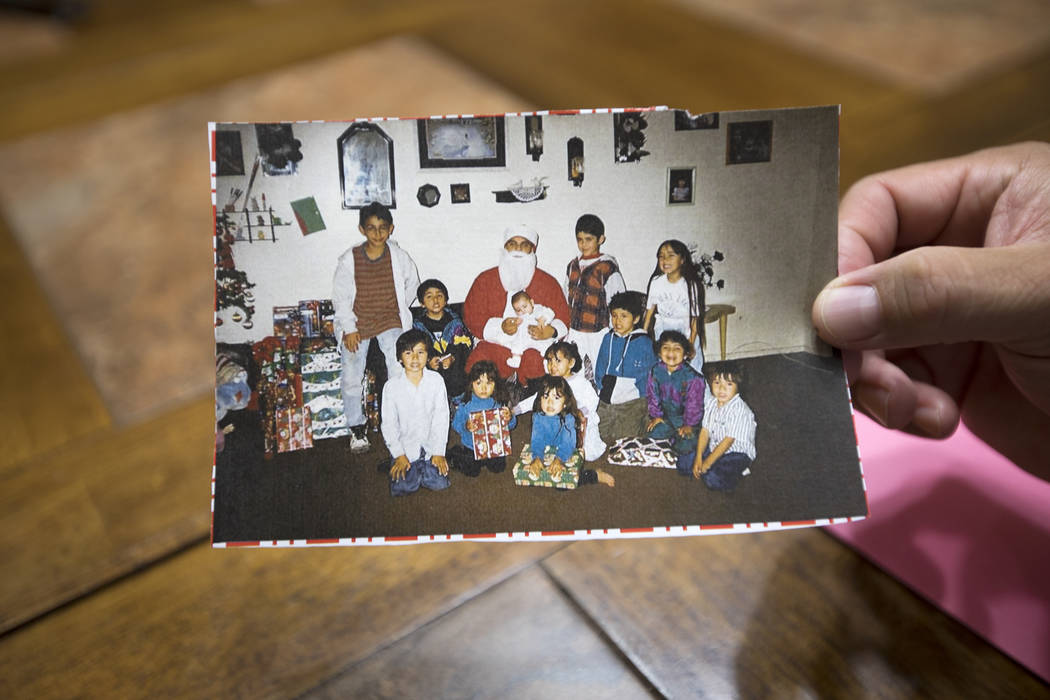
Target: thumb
x=942, y=294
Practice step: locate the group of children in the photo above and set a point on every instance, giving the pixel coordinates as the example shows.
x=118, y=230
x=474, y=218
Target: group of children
x=644, y=388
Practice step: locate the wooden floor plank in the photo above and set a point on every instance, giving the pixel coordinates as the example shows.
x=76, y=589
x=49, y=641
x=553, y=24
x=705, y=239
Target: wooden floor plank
x=141, y=57
x=48, y=398
x=789, y=614
x=520, y=639
x=224, y=623
x=662, y=56
x=101, y=507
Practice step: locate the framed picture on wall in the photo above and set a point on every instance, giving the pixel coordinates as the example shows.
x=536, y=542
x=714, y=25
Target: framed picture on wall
x=462, y=142
x=680, y=184
x=366, y=166
x=229, y=158
x=460, y=193
x=749, y=142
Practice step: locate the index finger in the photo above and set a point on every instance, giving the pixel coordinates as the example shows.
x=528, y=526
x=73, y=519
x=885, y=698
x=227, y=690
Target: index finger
x=944, y=202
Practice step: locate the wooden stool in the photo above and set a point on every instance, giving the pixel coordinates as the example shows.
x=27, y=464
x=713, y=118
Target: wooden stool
x=720, y=313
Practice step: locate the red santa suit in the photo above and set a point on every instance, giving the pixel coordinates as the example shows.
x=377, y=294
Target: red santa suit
x=488, y=304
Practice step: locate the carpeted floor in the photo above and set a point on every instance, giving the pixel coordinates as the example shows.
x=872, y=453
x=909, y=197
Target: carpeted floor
x=804, y=470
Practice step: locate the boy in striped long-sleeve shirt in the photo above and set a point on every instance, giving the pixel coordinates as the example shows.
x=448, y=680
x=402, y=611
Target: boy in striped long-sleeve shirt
x=726, y=446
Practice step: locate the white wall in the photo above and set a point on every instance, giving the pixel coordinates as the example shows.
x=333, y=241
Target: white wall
x=775, y=222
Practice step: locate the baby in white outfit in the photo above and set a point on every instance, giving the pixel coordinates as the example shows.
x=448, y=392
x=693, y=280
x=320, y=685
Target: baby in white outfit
x=530, y=314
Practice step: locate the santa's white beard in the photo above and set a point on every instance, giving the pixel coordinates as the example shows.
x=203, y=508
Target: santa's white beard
x=516, y=270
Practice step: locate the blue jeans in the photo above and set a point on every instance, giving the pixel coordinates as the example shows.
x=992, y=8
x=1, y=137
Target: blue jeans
x=666, y=431
x=353, y=374
x=421, y=472
x=727, y=471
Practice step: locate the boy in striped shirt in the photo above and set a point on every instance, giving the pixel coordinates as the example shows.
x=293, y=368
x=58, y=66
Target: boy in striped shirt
x=373, y=286
x=726, y=446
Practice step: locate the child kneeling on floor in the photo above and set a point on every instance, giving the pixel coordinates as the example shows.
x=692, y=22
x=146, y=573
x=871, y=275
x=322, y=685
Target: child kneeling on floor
x=554, y=442
x=485, y=392
x=415, y=420
x=726, y=446
x=676, y=398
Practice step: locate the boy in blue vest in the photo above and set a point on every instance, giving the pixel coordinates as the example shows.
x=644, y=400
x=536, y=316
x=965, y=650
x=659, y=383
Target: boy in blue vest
x=622, y=371
x=591, y=279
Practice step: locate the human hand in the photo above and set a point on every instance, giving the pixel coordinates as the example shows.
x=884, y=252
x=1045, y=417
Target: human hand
x=535, y=468
x=510, y=325
x=441, y=463
x=685, y=431
x=472, y=424
x=447, y=362
x=543, y=332
x=352, y=341
x=433, y=363
x=504, y=414
x=944, y=298
x=653, y=423
x=399, y=468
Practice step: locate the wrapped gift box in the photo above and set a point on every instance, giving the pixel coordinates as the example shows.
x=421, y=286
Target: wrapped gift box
x=491, y=438
x=321, y=372
x=643, y=452
x=286, y=321
x=570, y=475
x=294, y=431
x=327, y=312
x=310, y=318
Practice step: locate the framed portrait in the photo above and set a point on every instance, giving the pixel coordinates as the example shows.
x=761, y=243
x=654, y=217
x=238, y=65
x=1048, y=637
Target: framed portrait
x=684, y=121
x=681, y=182
x=462, y=142
x=229, y=157
x=460, y=193
x=749, y=142
x=366, y=166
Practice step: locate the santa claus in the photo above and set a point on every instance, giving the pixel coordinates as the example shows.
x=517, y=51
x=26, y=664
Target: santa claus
x=489, y=315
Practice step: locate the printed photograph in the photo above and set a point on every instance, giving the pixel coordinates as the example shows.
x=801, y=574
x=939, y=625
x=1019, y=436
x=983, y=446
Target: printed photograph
x=680, y=183
x=593, y=364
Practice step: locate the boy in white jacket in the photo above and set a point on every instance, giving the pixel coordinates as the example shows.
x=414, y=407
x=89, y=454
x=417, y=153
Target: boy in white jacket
x=373, y=286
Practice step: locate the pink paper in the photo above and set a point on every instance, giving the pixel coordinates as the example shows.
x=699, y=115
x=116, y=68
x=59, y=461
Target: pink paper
x=964, y=527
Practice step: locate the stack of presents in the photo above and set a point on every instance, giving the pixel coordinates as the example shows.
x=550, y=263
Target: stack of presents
x=299, y=379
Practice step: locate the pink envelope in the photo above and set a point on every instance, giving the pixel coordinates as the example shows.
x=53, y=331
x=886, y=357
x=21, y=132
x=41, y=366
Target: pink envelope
x=964, y=527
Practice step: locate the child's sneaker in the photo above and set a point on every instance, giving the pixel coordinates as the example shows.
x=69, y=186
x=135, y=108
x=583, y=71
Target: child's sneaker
x=358, y=440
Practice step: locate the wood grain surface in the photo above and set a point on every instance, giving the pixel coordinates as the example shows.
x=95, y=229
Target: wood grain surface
x=48, y=397
x=272, y=623
x=520, y=639
x=90, y=512
x=789, y=614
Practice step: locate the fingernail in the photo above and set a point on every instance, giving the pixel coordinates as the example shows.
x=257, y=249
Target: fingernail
x=875, y=402
x=850, y=314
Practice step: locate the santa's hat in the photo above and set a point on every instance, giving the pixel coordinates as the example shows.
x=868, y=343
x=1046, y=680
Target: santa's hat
x=521, y=230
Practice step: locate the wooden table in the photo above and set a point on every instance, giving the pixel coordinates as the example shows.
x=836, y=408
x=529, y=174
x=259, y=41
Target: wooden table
x=720, y=313
x=111, y=588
